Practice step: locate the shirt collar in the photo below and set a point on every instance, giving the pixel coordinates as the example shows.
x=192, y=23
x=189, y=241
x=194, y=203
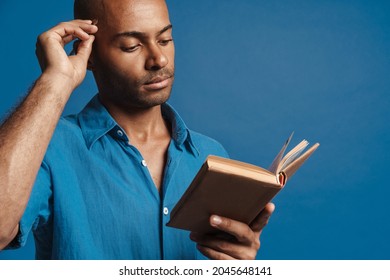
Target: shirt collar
x=95, y=122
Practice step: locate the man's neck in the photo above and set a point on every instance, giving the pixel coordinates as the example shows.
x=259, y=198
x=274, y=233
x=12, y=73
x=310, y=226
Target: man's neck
x=148, y=132
x=141, y=125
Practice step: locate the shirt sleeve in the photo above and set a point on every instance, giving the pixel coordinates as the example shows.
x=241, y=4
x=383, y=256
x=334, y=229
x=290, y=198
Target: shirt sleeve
x=38, y=210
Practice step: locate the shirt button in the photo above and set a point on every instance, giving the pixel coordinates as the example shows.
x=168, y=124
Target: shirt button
x=120, y=133
x=143, y=162
x=166, y=211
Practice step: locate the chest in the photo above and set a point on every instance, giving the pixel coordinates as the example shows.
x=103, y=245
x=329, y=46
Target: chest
x=154, y=156
x=116, y=209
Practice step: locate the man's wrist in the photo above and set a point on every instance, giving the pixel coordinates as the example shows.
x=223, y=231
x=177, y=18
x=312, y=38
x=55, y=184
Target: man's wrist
x=57, y=83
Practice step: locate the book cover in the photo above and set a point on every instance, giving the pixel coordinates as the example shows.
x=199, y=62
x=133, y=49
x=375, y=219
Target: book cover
x=235, y=189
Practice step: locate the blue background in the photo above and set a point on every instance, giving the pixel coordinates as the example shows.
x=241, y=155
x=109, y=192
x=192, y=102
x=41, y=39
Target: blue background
x=249, y=73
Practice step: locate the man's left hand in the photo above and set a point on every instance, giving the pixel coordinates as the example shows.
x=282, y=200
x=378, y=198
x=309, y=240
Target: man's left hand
x=238, y=241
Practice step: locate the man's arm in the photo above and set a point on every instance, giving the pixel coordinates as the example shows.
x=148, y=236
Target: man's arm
x=243, y=241
x=25, y=135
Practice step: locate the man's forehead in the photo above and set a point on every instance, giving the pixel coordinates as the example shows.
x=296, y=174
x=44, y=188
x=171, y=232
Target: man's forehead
x=141, y=15
x=139, y=9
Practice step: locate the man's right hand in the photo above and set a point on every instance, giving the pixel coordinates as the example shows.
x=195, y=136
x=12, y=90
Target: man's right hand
x=25, y=135
x=51, y=54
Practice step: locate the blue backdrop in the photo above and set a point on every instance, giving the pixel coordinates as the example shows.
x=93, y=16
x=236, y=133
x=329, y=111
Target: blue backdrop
x=249, y=73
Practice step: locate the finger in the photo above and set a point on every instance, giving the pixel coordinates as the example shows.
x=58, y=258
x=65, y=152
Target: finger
x=64, y=34
x=84, y=48
x=66, y=40
x=85, y=29
x=81, y=21
x=212, y=254
x=88, y=28
x=230, y=248
x=74, y=32
x=87, y=25
x=79, y=30
x=262, y=219
x=76, y=45
x=241, y=231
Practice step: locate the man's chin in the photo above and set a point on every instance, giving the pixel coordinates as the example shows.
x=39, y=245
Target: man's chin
x=151, y=99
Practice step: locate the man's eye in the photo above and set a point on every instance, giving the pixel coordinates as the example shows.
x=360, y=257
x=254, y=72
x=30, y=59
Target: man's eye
x=130, y=49
x=165, y=42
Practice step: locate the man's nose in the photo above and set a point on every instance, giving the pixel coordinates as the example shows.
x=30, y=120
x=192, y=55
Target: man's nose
x=156, y=58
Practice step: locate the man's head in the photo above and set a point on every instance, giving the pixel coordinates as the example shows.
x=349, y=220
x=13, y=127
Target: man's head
x=87, y=9
x=133, y=54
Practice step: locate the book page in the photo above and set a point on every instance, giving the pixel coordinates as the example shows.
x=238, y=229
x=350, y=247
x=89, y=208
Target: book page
x=296, y=164
x=239, y=168
x=292, y=155
x=275, y=164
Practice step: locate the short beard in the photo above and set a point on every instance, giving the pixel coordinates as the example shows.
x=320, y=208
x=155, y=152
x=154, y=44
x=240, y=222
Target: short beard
x=151, y=75
x=128, y=96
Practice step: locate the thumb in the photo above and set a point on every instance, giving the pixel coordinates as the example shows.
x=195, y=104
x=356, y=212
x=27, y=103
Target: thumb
x=262, y=219
x=85, y=48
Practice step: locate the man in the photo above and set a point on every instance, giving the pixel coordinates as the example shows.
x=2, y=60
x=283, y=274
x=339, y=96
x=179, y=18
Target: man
x=100, y=184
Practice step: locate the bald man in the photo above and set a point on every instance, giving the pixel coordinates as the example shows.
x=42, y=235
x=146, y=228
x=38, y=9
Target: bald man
x=100, y=184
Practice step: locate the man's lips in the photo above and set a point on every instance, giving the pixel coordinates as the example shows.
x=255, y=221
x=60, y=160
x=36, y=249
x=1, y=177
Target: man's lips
x=157, y=83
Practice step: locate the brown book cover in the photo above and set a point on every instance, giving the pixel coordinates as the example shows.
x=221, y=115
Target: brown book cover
x=235, y=189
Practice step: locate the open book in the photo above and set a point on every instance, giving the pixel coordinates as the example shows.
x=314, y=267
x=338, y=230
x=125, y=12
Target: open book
x=235, y=189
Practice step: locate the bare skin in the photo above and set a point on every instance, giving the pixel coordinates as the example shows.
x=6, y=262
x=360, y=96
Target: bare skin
x=25, y=136
x=133, y=51
x=133, y=64
x=245, y=242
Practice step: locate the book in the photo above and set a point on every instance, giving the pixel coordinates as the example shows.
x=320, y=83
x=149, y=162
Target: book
x=235, y=189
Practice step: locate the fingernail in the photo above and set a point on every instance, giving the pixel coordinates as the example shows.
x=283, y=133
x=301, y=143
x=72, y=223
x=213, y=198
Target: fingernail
x=216, y=220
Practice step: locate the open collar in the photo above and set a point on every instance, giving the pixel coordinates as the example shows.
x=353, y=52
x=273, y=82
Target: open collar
x=95, y=122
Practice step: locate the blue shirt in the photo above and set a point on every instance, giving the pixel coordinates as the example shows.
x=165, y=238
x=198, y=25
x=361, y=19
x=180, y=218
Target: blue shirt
x=94, y=198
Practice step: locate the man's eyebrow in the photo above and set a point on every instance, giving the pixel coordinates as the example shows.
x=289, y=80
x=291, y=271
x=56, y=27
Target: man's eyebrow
x=166, y=28
x=141, y=34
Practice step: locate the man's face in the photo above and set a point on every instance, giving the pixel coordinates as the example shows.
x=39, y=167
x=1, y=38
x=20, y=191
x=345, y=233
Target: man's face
x=133, y=54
